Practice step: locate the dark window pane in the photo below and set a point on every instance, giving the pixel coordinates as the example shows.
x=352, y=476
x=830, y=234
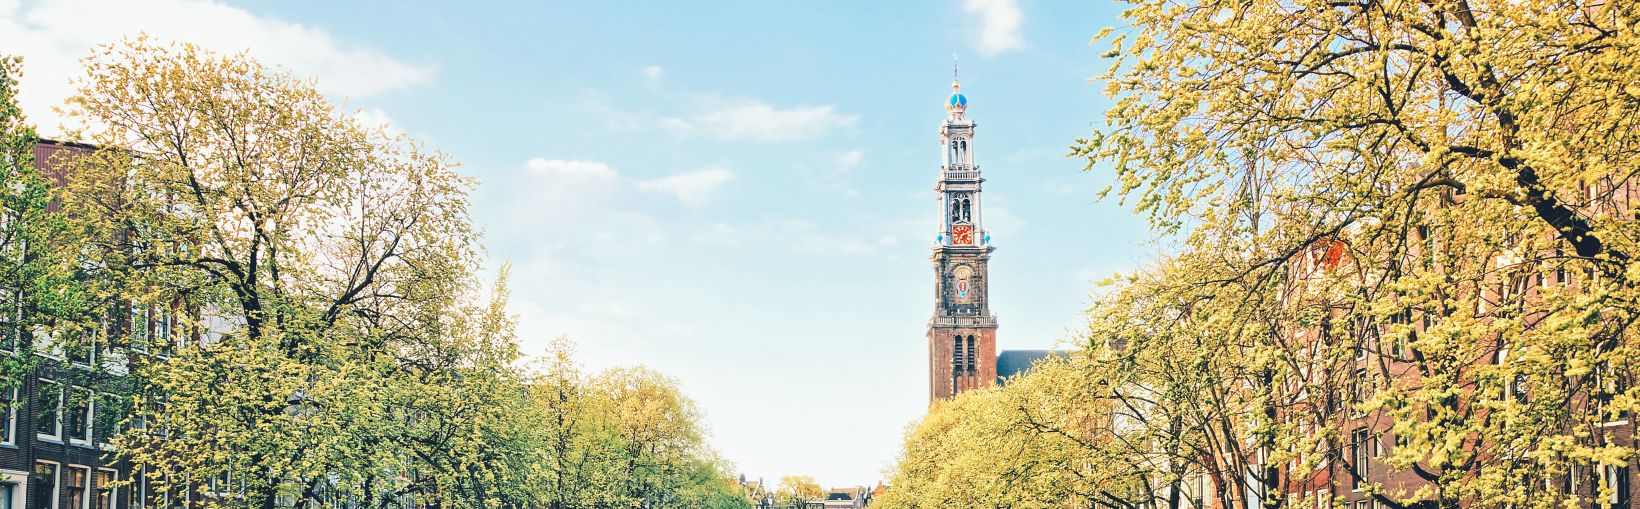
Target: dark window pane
x=47, y=407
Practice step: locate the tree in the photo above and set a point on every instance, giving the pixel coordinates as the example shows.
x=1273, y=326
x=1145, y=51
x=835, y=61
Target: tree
x=622, y=437
x=1408, y=218
x=295, y=297
x=1044, y=438
x=318, y=264
x=659, y=433
x=796, y=491
x=578, y=446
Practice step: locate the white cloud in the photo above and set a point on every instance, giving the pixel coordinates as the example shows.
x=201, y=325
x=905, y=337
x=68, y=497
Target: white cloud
x=53, y=36
x=999, y=25
x=653, y=72
x=694, y=188
x=751, y=119
x=571, y=168
x=848, y=160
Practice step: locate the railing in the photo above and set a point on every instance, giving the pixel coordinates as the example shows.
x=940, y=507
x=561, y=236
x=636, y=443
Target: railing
x=962, y=174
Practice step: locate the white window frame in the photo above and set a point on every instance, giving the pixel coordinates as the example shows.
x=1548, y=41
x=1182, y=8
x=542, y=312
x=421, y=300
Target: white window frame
x=139, y=488
x=56, y=484
x=90, y=347
x=10, y=310
x=1606, y=491
x=11, y=418
x=85, y=486
x=160, y=320
x=104, y=441
x=138, y=336
x=20, y=496
x=58, y=437
x=1360, y=458
x=90, y=416
x=113, y=491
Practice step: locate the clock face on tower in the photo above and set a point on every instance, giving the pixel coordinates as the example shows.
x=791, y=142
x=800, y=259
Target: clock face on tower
x=962, y=235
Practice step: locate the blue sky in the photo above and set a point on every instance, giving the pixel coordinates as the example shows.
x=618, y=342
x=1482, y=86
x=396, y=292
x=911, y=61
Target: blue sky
x=736, y=194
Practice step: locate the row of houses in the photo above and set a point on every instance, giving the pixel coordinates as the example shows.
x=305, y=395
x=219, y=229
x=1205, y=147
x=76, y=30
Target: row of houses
x=64, y=405
x=1358, y=472
x=850, y=497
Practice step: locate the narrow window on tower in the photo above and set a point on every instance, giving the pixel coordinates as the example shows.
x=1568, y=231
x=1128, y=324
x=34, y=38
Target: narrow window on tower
x=971, y=355
x=956, y=353
x=956, y=210
x=965, y=211
x=953, y=152
x=962, y=152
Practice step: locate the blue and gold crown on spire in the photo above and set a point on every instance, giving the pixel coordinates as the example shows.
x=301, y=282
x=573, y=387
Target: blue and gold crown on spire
x=958, y=102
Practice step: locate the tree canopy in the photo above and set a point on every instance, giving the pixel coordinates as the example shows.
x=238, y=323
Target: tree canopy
x=290, y=302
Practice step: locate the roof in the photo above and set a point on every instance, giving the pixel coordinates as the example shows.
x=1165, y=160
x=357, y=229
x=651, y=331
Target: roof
x=1013, y=362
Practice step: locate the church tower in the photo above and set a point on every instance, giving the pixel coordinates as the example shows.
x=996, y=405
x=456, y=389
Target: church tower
x=962, y=333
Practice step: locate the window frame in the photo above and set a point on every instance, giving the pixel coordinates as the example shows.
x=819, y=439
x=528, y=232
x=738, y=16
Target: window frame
x=84, y=489
x=8, y=425
x=111, y=488
x=56, y=413
x=56, y=481
x=1360, y=458
x=88, y=424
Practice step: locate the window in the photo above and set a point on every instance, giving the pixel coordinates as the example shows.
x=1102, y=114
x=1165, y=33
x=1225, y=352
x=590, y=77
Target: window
x=77, y=479
x=971, y=353
x=8, y=324
x=107, y=330
x=1360, y=455
x=77, y=347
x=1518, y=388
x=138, y=494
x=163, y=323
x=110, y=410
x=224, y=485
x=1560, y=267
x=1615, y=485
x=8, y=422
x=107, y=493
x=8, y=493
x=1427, y=235
x=139, y=327
x=956, y=354
x=1398, y=344
x=48, y=406
x=1360, y=388
x=44, y=492
x=79, y=414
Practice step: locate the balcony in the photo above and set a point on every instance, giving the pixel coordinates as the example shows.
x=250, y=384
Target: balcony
x=960, y=174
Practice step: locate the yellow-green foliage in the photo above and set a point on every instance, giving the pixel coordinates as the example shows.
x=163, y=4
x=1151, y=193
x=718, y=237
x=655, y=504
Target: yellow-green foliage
x=323, y=275
x=1340, y=176
x=1029, y=444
